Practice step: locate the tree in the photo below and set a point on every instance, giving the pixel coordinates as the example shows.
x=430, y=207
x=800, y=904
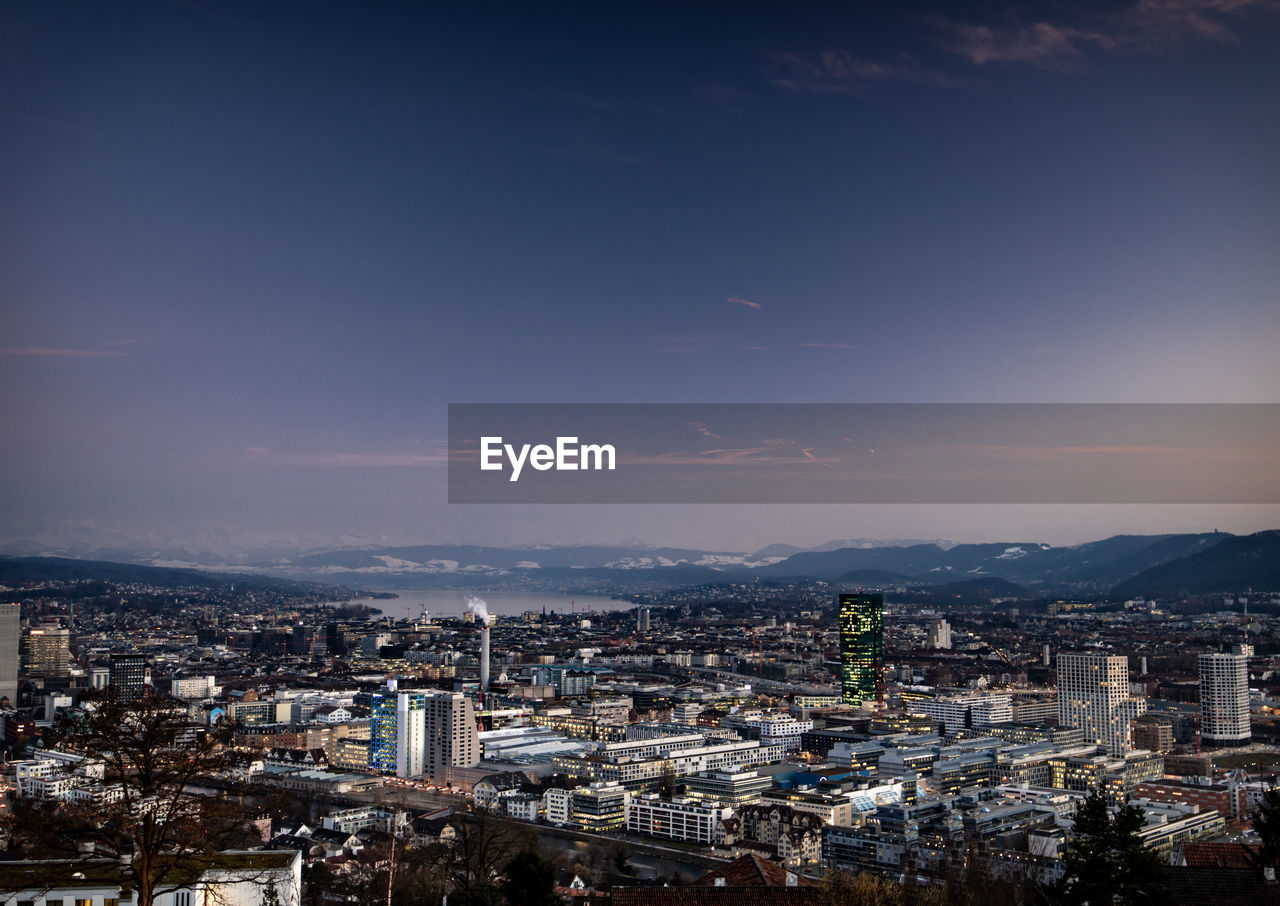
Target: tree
x=1105, y=861
x=1266, y=824
x=530, y=881
x=148, y=757
x=482, y=846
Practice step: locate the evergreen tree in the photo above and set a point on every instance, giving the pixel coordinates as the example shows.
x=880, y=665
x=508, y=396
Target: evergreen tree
x=530, y=881
x=1266, y=823
x=1105, y=860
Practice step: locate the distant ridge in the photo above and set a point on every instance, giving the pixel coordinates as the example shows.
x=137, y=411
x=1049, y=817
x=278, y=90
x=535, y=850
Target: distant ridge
x=1236, y=564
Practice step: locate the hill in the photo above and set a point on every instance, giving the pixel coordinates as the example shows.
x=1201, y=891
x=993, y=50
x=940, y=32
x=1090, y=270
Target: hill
x=1235, y=564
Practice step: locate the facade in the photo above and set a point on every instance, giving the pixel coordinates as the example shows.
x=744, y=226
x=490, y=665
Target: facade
x=128, y=675
x=47, y=652
x=861, y=647
x=1224, y=699
x=452, y=738
x=960, y=712
x=1093, y=695
x=689, y=820
x=598, y=808
x=397, y=733
x=940, y=634
x=10, y=632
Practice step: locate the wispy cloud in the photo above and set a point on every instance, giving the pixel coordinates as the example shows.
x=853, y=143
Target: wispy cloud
x=1147, y=25
x=756, y=348
x=746, y=303
x=820, y=346
x=838, y=71
x=704, y=430
x=61, y=352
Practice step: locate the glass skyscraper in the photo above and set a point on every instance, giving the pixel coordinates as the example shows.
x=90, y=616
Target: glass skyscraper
x=861, y=647
x=397, y=733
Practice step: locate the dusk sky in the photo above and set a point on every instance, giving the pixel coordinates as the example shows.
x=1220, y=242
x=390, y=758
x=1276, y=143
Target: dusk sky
x=249, y=252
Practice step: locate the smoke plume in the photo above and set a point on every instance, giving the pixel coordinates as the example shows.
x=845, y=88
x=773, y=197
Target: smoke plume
x=478, y=607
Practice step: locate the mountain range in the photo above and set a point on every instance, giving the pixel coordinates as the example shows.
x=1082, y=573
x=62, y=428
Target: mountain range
x=1123, y=565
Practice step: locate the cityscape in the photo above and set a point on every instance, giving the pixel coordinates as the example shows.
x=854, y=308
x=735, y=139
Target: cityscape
x=754, y=454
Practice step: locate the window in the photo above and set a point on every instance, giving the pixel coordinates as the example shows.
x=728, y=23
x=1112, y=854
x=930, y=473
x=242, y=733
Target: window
x=182, y=898
x=88, y=902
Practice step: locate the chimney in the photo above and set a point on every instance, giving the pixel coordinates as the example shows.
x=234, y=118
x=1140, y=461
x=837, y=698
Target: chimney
x=484, y=658
x=793, y=880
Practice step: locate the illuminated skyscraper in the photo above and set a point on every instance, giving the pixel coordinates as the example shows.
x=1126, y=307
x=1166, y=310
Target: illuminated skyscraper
x=1093, y=695
x=397, y=733
x=861, y=647
x=1224, y=699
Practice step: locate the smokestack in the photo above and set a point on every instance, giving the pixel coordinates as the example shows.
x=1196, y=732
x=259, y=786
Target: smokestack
x=1045, y=654
x=484, y=658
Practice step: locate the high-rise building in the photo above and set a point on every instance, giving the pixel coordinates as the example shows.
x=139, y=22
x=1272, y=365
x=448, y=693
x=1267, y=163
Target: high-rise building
x=46, y=652
x=452, y=737
x=861, y=647
x=397, y=733
x=1224, y=699
x=10, y=633
x=642, y=619
x=940, y=634
x=128, y=675
x=1093, y=696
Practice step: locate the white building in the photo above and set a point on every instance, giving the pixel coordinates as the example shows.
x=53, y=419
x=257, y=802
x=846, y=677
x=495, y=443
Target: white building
x=690, y=820
x=957, y=712
x=940, y=634
x=557, y=806
x=781, y=730
x=1224, y=699
x=237, y=880
x=1093, y=695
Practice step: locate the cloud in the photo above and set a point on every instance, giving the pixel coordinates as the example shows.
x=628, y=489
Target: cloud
x=756, y=348
x=840, y=72
x=820, y=346
x=735, y=300
x=60, y=352
x=704, y=430
x=1147, y=25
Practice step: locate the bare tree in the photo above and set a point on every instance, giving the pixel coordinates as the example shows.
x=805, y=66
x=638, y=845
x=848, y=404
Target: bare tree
x=142, y=811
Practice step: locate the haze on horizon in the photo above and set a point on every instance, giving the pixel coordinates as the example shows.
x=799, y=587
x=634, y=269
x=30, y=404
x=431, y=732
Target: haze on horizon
x=248, y=255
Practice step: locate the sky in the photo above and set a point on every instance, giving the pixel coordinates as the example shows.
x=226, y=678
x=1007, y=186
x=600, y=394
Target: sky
x=249, y=253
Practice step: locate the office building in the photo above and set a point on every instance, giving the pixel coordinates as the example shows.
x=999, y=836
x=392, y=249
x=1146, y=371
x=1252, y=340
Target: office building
x=46, y=652
x=1224, y=699
x=861, y=647
x=397, y=733
x=1093, y=695
x=642, y=619
x=128, y=675
x=10, y=632
x=452, y=737
x=965, y=712
x=940, y=634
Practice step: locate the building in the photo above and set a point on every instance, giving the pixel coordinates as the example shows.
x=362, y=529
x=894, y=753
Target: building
x=1093, y=694
x=940, y=634
x=46, y=652
x=397, y=733
x=599, y=807
x=964, y=712
x=1224, y=699
x=223, y=879
x=642, y=619
x=128, y=675
x=689, y=820
x=452, y=737
x=861, y=648
x=10, y=633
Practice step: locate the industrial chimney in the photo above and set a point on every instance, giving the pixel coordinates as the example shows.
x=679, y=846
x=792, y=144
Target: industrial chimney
x=484, y=657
